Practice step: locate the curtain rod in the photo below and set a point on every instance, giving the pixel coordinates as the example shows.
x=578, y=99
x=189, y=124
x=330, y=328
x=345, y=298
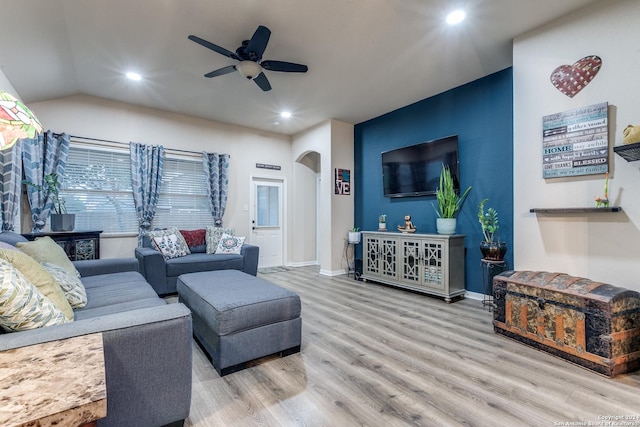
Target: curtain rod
x=199, y=153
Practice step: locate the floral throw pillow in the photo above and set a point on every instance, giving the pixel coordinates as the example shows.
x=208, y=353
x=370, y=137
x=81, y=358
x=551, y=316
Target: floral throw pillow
x=213, y=236
x=169, y=246
x=229, y=244
x=168, y=232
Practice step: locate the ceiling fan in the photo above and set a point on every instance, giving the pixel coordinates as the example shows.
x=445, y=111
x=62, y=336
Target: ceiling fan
x=250, y=57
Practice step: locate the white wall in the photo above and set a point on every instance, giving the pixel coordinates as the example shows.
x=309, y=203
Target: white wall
x=333, y=141
x=103, y=119
x=6, y=85
x=603, y=247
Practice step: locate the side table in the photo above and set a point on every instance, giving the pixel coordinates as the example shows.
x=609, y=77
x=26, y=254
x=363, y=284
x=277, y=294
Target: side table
x=489, y=269
x=58, y=383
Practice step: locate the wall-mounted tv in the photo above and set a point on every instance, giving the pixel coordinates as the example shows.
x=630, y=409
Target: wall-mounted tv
x=415, y=170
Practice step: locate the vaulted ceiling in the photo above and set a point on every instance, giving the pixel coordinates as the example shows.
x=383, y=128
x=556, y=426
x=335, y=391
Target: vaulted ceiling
x=365, y=57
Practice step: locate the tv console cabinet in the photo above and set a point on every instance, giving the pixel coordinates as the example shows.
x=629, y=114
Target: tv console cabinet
x=428, y=263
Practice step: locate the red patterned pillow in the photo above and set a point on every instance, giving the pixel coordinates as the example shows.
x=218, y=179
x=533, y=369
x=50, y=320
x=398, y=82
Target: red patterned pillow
x=194, y=237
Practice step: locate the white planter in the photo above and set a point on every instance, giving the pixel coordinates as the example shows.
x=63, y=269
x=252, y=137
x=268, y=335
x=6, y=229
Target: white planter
x=382, y=226
x=354, y=237
x=446, y=225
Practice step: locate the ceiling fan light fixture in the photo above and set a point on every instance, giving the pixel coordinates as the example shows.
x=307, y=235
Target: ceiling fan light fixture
x=249, y=69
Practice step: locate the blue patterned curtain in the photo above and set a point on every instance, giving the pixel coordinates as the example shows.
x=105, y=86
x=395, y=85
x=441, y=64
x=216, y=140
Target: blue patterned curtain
x=10, y=182
x=46, y=154
x=216, y=168
x=146, y=179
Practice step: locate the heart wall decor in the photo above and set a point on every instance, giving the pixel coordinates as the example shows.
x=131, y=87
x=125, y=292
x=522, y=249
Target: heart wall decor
x=571, y=79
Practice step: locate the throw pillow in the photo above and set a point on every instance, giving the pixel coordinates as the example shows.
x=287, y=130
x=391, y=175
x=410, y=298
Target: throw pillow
x=71, y=286
x=195, y=239
x=45, y=249
x=8, y=246
x=213, y=236
x=39, y=277
x=22, y=305
x=169, y=246
x=167, y=232
x=229, y=244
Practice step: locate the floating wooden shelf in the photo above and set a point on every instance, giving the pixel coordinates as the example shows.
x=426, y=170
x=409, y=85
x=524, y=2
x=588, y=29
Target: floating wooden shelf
x=629, y=152
x=575, y=210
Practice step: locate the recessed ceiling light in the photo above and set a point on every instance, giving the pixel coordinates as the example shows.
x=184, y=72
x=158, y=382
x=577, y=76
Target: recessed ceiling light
x=134, y=76
x=456, y=17
x=285, y=114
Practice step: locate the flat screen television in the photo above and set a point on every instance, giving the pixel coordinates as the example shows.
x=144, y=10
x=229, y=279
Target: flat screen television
x=415, y=170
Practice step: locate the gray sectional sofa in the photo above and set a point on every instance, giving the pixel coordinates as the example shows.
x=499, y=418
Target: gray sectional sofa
x=147, y=342
x=163, y=274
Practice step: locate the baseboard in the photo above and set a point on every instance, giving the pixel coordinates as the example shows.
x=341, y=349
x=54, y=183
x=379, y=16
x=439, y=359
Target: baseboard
x=302, y=264
x=474, y=295
x=333, y=273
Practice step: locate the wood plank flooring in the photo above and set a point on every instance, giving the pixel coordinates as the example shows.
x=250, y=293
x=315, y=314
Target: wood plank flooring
x=379, y=356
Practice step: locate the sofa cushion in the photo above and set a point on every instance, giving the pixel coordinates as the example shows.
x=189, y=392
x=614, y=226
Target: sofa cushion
x=203, y=262
x=195, y=239
x=213, y=235
x=22, y=305
x=45, y=249
x=107, y=289
x=38, y=276
x=229, y=244
x=167, y=232
x=71, y=285
x=120, y=307
x=169, y=246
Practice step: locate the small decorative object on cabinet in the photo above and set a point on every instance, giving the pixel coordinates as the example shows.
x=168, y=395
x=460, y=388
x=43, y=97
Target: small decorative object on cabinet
x=603, y=202
x=60, y=219
x=78, y=245
x=382, y=223
x=491, y=250
x=449, y=202
x=408, y=226
x=428, y=263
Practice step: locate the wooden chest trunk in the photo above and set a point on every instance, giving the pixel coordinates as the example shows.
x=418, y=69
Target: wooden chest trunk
x=592, y=324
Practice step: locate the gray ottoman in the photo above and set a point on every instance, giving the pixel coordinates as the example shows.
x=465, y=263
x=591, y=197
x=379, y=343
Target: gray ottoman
x=238, y=317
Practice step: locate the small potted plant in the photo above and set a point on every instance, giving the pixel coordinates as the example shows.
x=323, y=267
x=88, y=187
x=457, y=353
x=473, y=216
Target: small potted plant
x=492, y=249
x=449, y=202
x=354, y=235
x=60, y=219
x=382, y=223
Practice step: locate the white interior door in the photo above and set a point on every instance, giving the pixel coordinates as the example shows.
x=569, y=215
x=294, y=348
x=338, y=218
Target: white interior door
x=267, y=221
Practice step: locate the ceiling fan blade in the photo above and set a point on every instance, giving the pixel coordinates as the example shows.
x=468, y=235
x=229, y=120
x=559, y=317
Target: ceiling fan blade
x=221, y=71
x=213, y=47
x=287, y=67
x=258, y=42
x=262, y=82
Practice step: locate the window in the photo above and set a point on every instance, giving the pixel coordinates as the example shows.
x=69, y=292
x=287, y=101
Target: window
x=183, y=200
x=97, y=188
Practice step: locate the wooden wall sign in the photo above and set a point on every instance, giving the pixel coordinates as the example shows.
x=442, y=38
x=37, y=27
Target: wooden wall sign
x=576, y=142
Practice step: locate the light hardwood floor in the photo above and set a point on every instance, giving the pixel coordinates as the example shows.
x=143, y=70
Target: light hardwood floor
x=378, y=356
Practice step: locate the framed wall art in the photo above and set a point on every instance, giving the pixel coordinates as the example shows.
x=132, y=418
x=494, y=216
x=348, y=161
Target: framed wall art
x=576, y=142
x=342, y=181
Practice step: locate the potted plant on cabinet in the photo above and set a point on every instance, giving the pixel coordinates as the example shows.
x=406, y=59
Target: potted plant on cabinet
x=382, y=223
x=60, y=219
x=354, y=235
x=449, y=202
x=492, y=249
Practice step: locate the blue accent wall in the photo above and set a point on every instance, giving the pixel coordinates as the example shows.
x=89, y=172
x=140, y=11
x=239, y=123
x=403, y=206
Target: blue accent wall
x=481, y=114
